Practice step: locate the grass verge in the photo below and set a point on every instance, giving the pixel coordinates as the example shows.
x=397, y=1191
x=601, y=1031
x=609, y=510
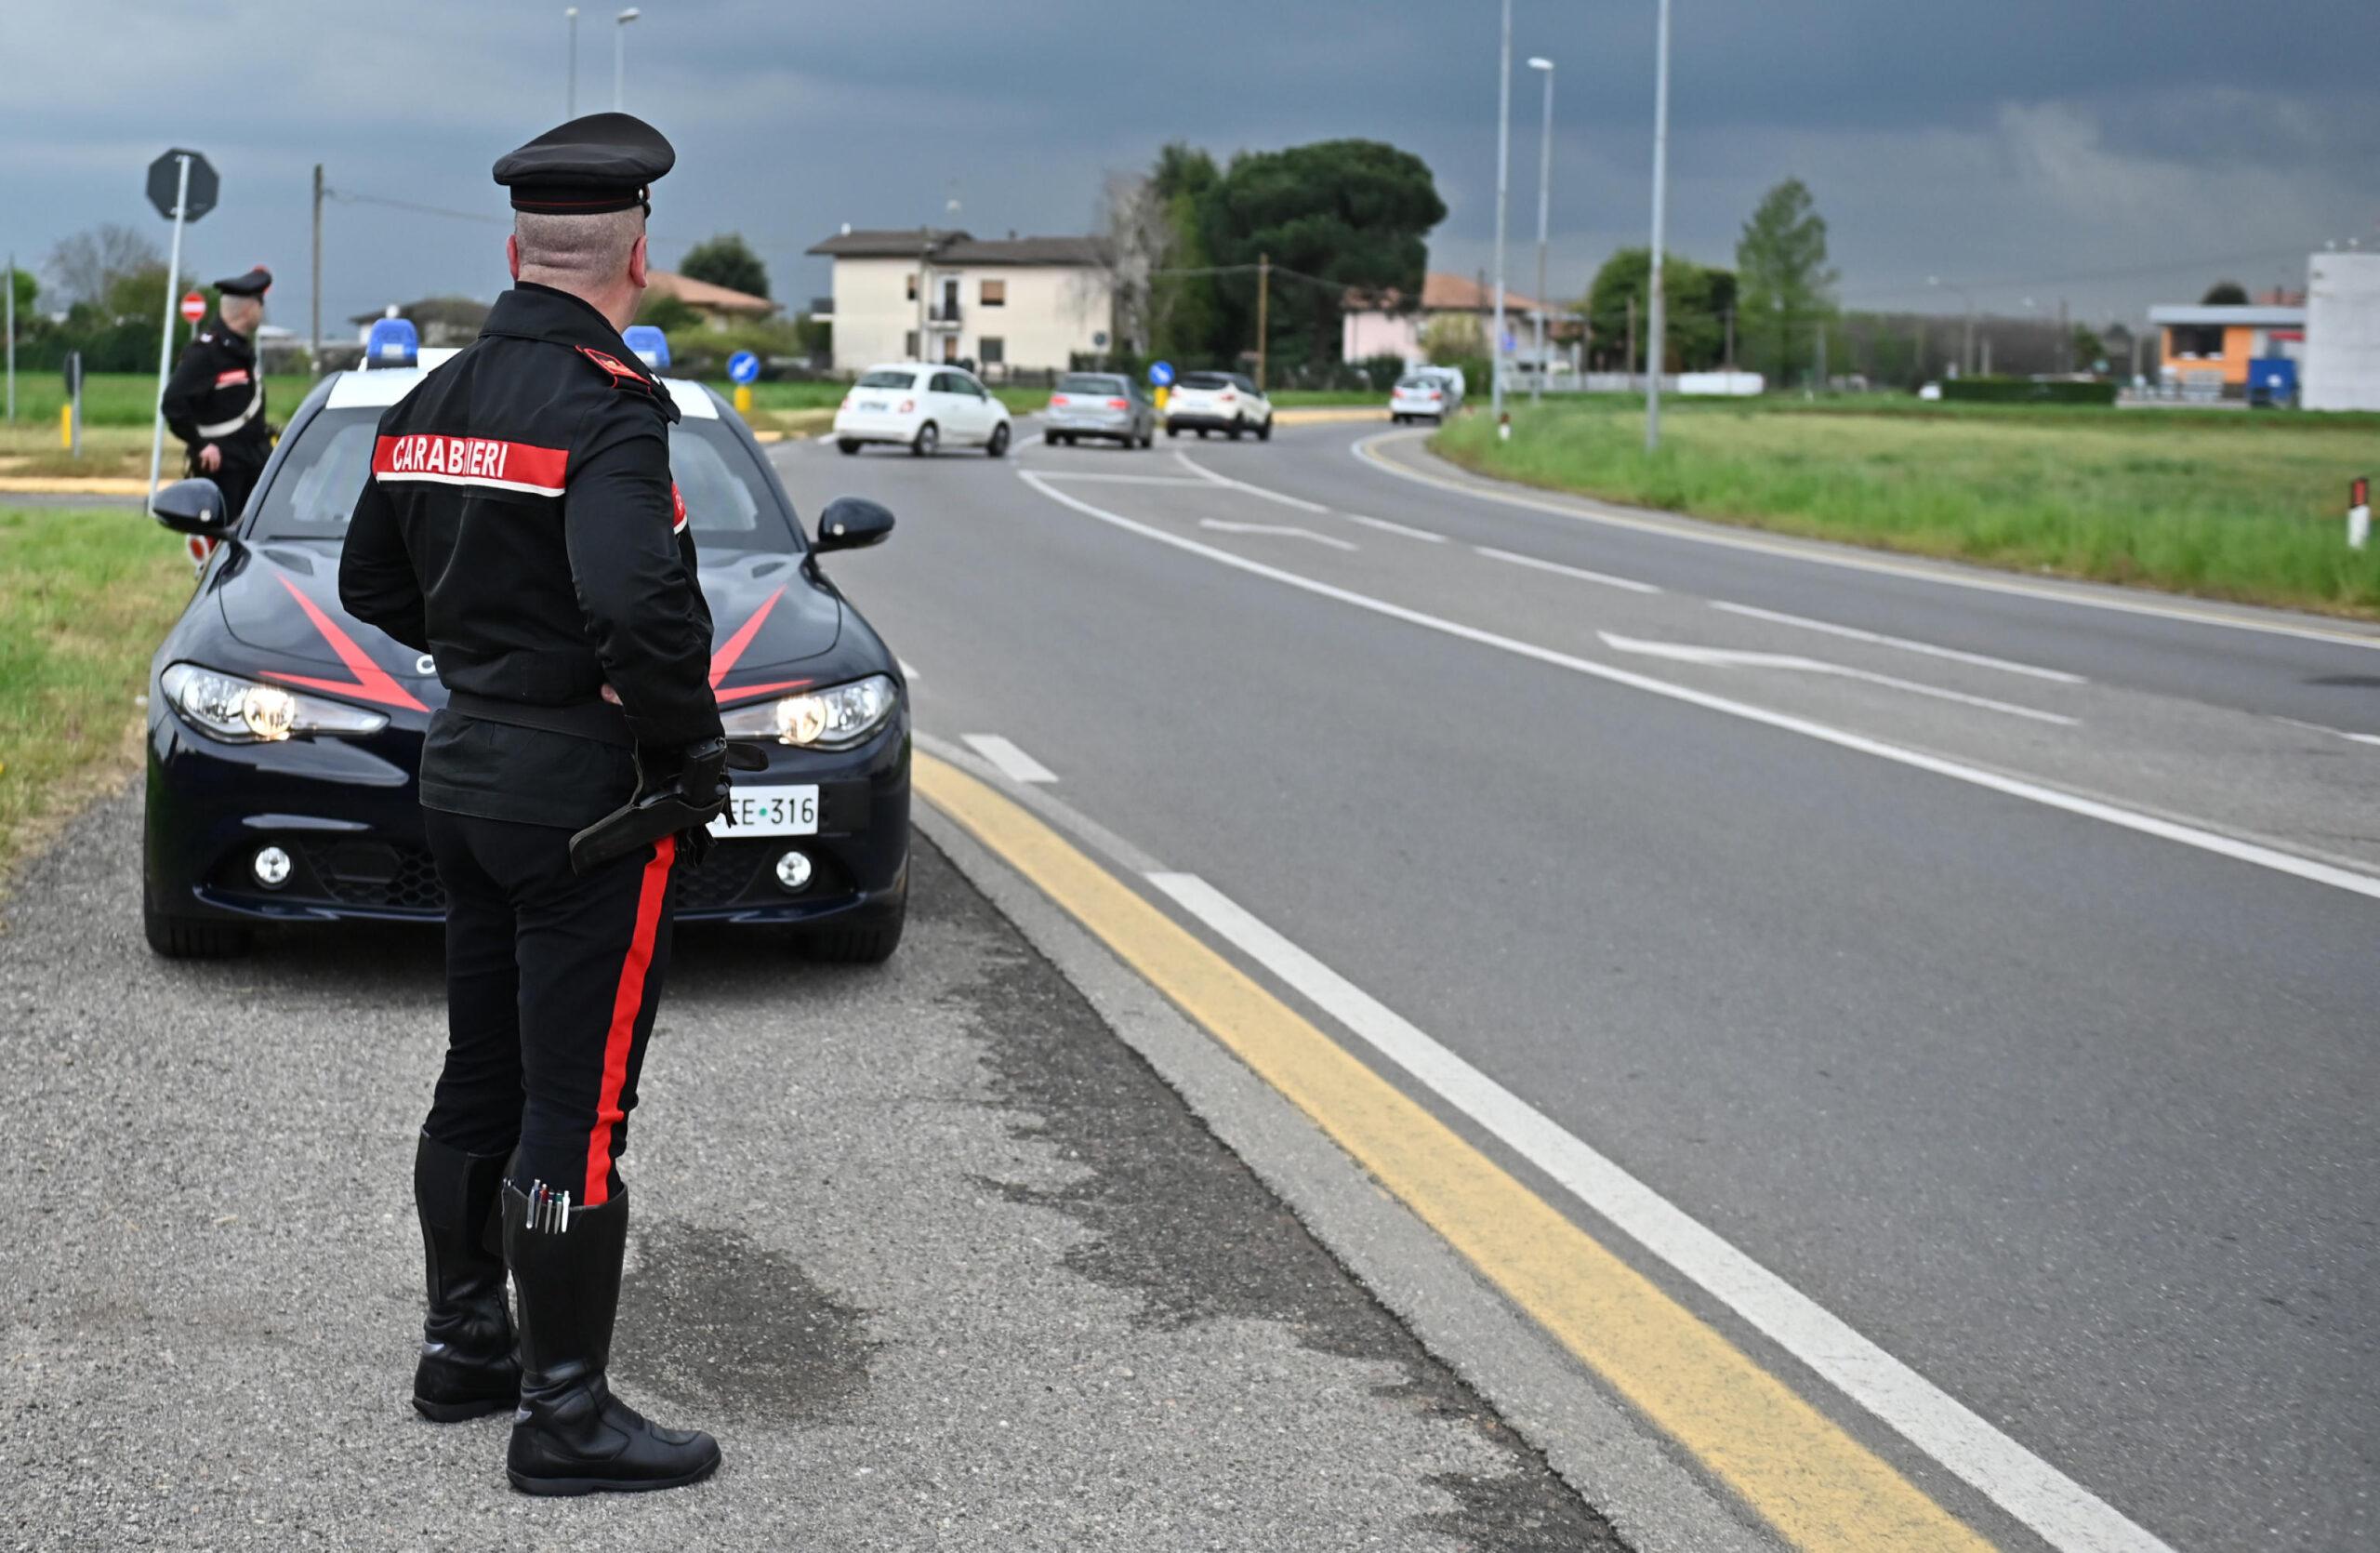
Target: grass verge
x=87, y=593
x=2241, y=507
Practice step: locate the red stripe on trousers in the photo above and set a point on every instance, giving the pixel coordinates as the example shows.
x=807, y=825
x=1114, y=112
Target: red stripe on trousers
x=626, y=1003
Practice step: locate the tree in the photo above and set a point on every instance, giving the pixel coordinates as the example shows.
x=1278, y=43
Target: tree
x=1186, y=314
x=27, y=288
x=1785, y=290
x=1700, y=298
x=1339, y=216
x=2225, y=294
x=727, y=261
x=2089, y=350
x=84, y=268
x=1453, y=337
x=668, y=314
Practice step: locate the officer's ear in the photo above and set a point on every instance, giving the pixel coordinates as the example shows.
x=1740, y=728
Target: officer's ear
x=637, y=262
x=512, y=254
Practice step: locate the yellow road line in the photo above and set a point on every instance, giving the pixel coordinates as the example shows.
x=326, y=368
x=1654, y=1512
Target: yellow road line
x=35, y=485
x=1800, y=1471
x=1316, y=415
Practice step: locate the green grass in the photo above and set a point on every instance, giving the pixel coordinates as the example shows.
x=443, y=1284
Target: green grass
x=86, y=594
x=130, y=398
x=2241, y=506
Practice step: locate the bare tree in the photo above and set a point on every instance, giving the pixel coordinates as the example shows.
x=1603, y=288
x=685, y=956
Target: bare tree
x=84, y=268
x=1139, y=239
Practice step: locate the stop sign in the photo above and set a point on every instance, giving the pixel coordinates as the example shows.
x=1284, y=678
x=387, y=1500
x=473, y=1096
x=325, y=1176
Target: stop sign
x=193, y=307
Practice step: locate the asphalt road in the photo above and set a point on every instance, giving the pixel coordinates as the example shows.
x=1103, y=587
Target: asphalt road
x=942, y=1261
x=1994, y=967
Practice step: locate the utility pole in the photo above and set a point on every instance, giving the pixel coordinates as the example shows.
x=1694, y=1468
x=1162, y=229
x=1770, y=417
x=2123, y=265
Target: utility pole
x=1263, y=317
x=1503, y=169
x=1660, y=192
x=620, y=58
x=1544, y=207
x=1628, y=362
x=317, y=330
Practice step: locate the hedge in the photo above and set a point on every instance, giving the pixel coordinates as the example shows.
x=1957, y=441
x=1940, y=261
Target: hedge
x=2027, y=390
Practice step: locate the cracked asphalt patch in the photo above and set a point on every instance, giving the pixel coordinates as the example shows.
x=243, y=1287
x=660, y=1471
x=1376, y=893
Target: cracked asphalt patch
x=938, y=1258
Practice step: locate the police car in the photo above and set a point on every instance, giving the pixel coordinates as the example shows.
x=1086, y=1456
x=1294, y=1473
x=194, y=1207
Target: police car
x=284, y=736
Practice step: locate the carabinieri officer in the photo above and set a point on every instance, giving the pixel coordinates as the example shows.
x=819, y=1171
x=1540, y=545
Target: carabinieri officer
x=215, y=401
x=520, y=527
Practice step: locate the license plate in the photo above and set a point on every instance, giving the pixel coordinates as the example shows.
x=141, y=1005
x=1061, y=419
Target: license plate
x=770, y=812
x=871, y=403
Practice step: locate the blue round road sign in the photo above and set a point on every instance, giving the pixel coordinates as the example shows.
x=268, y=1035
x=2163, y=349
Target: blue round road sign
x=743, y=367
x=1160, y=373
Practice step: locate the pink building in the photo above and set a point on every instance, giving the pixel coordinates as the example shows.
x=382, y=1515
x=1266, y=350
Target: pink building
x=1373, y=327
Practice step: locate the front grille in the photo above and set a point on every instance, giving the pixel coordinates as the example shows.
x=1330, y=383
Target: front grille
x=377, y=873
x=724, y=875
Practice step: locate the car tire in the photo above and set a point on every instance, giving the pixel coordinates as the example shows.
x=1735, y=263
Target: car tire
x=1236, y=429
x=871, y=944
x=1202, y=434
x=1264, y=433
x=190, y=937
x=998, y=447
x=1173, y=430
x=846, y=444
x=927, y=440
x=1060, y=439
x=1149, y=440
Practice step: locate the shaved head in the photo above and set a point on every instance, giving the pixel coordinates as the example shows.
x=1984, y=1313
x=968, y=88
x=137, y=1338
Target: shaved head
x=240, y=314
x=576, y=253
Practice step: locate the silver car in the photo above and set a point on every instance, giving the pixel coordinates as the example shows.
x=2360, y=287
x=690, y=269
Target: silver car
x=1101, y=405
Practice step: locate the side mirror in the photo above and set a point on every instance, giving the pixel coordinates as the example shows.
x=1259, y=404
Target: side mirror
x=193, y=507
x=848, y=523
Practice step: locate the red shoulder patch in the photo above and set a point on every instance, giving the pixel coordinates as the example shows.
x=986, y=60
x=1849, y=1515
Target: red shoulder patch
x=622, y=374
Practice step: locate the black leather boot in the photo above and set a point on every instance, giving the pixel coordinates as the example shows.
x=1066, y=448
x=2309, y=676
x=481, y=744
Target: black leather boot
x=467, y=1366
x=572, y=1435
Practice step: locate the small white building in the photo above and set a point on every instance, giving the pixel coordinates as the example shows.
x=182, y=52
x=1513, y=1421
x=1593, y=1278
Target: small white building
x=2342, y=355
x=1007, y=304
x=1382, y=326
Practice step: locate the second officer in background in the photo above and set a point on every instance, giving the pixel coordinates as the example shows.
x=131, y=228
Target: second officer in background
x=215, y=401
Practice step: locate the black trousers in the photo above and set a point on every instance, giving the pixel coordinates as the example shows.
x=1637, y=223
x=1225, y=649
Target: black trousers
x=552, y=983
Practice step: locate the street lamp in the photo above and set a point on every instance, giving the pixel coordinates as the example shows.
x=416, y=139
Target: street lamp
x=1544, y=205
x=1661, y=192
x=620, y=57
x=1966, y=344
x=1503, y=168
x=570, y=97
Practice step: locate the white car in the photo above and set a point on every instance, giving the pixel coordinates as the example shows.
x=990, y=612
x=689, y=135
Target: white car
x=1424, y=396
x=1225, y=402
x=922, y=407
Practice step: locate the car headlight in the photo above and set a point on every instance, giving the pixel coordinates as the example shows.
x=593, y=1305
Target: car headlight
x=245, y=711
x=835, y=718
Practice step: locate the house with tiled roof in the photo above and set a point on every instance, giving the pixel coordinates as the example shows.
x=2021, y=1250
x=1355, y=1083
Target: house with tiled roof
x=1007, y=304
x=720, y=305
x=1383, y=326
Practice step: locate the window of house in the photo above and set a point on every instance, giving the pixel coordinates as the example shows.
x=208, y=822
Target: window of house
x=991, y=350
x=909, y=345
x=2197, y=339
x=909, y=285
x=994, y=295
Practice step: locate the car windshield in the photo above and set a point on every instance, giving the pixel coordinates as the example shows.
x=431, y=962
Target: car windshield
x=883, y=378
x=1081, y=382
x=1206, y=380
x=730, y=504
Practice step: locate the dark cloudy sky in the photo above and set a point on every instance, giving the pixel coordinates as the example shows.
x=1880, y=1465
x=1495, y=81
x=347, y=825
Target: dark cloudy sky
x=2110, y=154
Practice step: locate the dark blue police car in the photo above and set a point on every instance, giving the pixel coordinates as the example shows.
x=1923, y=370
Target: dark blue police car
x=284, y=736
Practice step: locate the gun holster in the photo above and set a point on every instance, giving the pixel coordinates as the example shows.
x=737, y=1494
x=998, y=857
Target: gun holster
x=685, y=795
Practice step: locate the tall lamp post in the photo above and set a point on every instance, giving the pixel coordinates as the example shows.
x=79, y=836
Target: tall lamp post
x=1655, y=351
x=1544, y=207
x=570, y=93
x=1503, y=169
x=1966, y=343
x=620, y=58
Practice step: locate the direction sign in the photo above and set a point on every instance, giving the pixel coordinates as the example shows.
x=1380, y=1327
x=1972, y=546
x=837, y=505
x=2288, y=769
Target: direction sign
x=165, y=178
x=193, y=307
x=743, y=367
x=1160, y=373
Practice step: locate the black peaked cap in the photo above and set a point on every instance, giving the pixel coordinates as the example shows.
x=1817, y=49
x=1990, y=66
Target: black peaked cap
x=600, y=163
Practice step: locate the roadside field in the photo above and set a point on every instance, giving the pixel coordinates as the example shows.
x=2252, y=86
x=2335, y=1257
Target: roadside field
x=2230, y=506
x=86, y=592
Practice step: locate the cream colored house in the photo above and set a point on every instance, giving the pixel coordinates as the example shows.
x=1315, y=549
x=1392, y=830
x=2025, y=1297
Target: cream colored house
x=1015, y=304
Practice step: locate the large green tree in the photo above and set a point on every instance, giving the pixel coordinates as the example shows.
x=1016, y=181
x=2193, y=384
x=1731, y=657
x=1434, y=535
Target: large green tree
x=1700, y=298
x=1341, y=215
x=727, y=261
x=1785, y=289
x=1186, y=314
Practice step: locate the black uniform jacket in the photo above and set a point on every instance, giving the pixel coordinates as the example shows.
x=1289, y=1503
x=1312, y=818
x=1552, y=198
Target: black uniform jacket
x=520, y=527
x=217, y=395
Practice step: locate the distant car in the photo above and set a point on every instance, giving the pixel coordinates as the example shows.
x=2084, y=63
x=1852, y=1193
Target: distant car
x=922, y=407
x=284, y=734
x=1103, y=405
x=1225, y=402
x=1417, y=397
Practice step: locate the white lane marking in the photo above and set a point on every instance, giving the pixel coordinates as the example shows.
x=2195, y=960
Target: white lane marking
x=1118, y=479
x=2012, y=787
x=1579, y=572
x=1387, y=528
x=1362, y=450
x=2334, y=733
x=1980, y=661
x=1289, y=531
x=1732, y=657
x=1013, y=762
x=1301, y=503
x=2065, y=1513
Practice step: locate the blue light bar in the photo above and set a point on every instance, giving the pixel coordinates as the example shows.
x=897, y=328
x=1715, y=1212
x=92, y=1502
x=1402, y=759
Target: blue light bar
x=391, y=343
x=651, y=347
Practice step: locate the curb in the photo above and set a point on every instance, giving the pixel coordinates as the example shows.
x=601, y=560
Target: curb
x=1323, y=416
